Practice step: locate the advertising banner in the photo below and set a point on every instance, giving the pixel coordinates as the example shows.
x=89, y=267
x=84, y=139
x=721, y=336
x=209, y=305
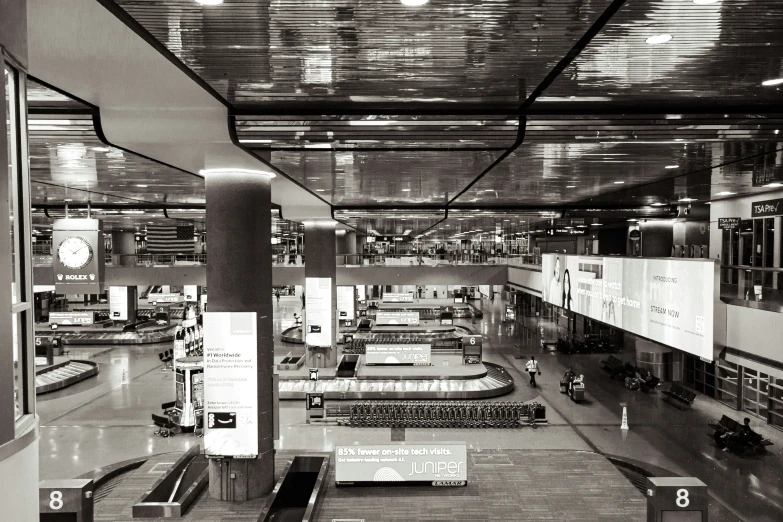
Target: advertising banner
x=230, y=384
x=318, y=311
x=346, y=308
x=191, y=293
x=164, y=298
x=405, y=318
x=387, y=354
x=670, y=301
x=73, y=318
x=397, y=298
x=118, y=303
x=441, y=464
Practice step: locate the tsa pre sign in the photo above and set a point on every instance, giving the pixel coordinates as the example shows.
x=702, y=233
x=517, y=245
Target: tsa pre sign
x=230, y=384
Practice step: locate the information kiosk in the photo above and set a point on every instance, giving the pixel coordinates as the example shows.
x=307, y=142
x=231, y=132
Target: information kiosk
x=190, y=391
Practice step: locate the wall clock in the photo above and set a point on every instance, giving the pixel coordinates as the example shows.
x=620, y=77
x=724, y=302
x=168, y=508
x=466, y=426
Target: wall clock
x=74, y=252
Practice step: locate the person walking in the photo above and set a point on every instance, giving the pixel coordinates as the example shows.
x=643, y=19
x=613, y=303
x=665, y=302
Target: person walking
x=532, y=369
x=277, y=294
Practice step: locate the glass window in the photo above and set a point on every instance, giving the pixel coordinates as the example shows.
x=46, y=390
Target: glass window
x=758, y=242
x=776, y=402
x=769, y=242
x=12, y=131
x=727, y=389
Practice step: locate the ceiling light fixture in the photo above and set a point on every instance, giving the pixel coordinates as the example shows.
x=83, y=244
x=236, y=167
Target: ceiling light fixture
x=659, y=39
x=101, y=149
x=414, y=3
x=773, y=185
x=209, y=2
x=142, y=186
x=672, y=167
x=687, y=200
x=570, y=186
x=772, y=83
x=726, y=193
x=619, y=182
x=406, y=190
x=659, y=204
x=704, y=2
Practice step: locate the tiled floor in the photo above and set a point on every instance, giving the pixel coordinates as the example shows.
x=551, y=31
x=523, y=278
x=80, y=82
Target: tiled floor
x=102, y=421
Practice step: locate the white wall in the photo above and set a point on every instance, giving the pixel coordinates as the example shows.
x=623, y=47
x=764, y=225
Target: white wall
x=528, y=278
x=754, y=331
x=19, y=485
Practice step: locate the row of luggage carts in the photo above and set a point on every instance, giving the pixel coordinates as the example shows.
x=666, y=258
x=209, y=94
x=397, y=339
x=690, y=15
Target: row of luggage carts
x=439, y=414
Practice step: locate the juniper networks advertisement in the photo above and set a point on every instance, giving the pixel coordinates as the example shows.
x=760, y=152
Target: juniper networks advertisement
x=390, y=317
x=318, y=311
x=441, y=464
x=387, y=354
x=230, y=384
x=670, y=301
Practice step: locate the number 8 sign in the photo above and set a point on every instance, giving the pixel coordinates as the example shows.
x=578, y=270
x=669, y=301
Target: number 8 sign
x=66, y=499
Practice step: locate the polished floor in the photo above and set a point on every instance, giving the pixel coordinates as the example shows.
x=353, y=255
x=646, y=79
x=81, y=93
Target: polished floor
x=107, y=419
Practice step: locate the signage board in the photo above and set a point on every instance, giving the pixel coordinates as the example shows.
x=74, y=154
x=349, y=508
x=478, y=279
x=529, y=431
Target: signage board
x=394, y=354
x=164, y=298
x=728, y=223
x=230, y=384
x=670, y=301
x=435, y=464
x=677, y=499
x=566, y=231
x=161, y=314
x=66, y=500
x=118, y=303
x=318, y=311
x=191, y=293
x=346, y=303
x=72, y=318
x=397, y=298
x=78, y=256
x=766, y=208
x=390, y=317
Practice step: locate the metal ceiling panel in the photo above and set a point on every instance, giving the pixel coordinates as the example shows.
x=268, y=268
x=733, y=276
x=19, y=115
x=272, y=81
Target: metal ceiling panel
x=717, y=53
x=257, y=51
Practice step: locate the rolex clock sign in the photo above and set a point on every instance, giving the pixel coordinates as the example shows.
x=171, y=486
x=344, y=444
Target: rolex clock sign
x=79, y=256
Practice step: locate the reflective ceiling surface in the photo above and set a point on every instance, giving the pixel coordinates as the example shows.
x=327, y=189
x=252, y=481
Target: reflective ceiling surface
x=508, y=105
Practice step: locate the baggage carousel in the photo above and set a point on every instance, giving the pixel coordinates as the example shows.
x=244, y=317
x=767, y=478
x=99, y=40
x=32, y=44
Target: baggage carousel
x=64, y=374
x=493, y=382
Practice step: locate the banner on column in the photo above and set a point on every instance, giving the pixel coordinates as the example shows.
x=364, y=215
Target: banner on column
x=230, y=384
x=345, y=303
x=118, y=303
x=318, y=311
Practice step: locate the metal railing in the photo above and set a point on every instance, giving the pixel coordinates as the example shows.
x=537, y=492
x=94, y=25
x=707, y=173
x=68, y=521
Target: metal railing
x=436, y=259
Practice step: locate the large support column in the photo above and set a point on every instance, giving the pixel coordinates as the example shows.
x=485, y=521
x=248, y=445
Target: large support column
x=123, y=247
x=239, y=277
x=321, y=262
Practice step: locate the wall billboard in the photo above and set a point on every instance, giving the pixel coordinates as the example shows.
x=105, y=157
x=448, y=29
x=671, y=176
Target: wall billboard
x=670, y=301
x=346, y=303
x=441, y=464
x=230, y=384
x=118, y=303
x=397, y=298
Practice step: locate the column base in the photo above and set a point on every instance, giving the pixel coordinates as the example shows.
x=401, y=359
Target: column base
x=239, y=480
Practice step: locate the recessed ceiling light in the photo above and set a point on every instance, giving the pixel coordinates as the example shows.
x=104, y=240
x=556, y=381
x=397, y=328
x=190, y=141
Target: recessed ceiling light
x=770, y=83
x=619, y=182
x=773, y=185
x=725, y=193
x=319, y=190
x=209, y=2
x=414, y=3
x=581, y=226
x=704, y=2
x=659, y=204
x=659, y=39
x=101, y=149
x=406, y=190
x=633, y=219
x=570, y=186
x=489, y=190
x=67, y=200
x=142, y=186
x=672, y=167
x=687, y=200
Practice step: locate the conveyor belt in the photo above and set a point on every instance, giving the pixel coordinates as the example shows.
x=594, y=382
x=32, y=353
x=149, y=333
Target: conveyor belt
x=101, y=337
x=64, y=374
x=497, y=382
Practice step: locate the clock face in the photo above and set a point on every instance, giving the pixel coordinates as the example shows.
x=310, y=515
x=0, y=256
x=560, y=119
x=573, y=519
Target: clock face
x=75, y=252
